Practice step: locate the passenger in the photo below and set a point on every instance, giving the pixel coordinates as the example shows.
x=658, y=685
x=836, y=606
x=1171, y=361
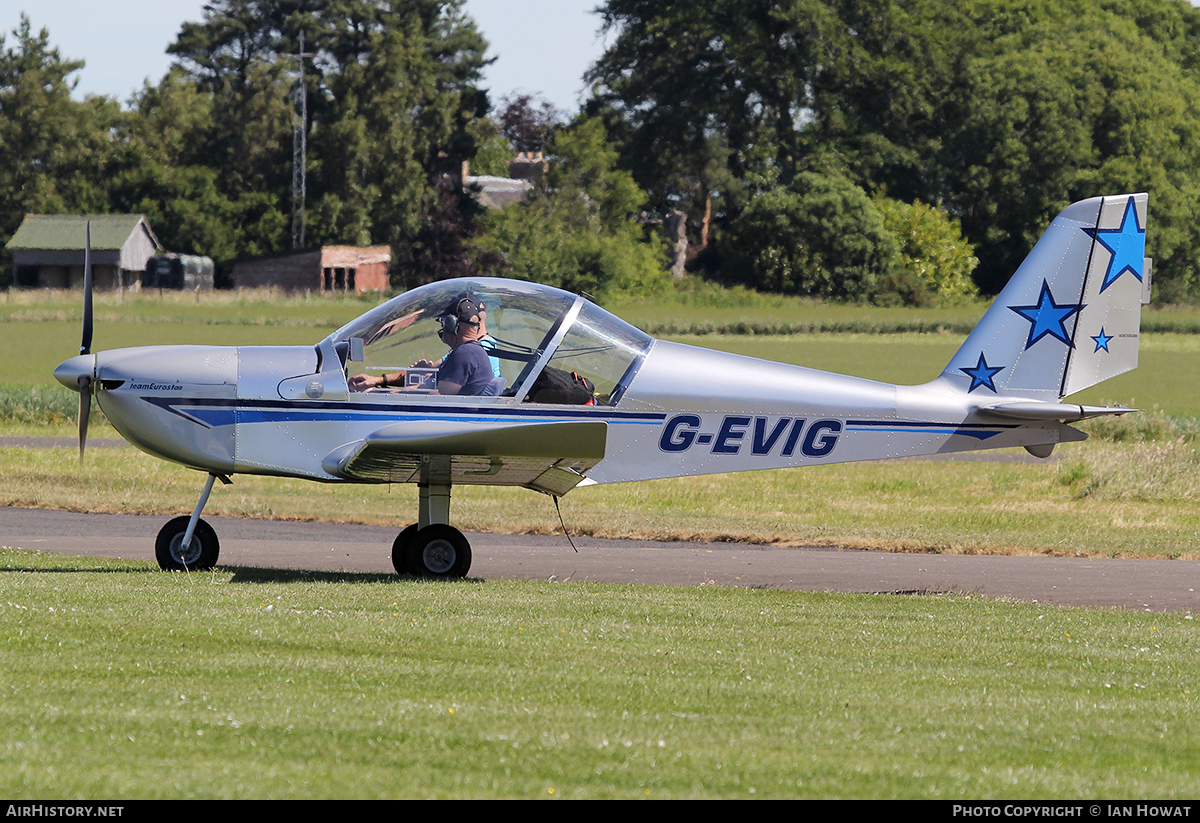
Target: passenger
x=466, y=370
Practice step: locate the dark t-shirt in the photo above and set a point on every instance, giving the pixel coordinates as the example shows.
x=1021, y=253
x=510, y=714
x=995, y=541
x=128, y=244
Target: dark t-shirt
x=468, y=366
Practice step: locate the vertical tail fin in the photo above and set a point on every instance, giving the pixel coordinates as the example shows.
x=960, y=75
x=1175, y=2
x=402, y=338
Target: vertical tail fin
x=1070, y=316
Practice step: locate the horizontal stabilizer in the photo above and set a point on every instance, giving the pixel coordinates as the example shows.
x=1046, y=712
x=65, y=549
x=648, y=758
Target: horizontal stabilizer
x=1034, y=410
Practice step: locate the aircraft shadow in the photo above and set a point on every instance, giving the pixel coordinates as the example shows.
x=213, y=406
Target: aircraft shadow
x=259, y=574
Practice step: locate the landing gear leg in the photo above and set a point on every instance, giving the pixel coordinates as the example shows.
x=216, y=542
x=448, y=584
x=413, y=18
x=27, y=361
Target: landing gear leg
x=434, y=548
x=189, y=543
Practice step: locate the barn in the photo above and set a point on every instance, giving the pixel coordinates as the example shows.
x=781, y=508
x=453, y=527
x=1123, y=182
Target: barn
x=48, y=251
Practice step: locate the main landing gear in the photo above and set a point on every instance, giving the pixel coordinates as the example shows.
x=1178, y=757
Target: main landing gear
x=428, y=548
x=432, y=547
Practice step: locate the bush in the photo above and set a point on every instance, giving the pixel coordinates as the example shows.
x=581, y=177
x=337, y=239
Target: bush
x=933, y=254
x=42, y=405
x=543, y=248
x=820, y=236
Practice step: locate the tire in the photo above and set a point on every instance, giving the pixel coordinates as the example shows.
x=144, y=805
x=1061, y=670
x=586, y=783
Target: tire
x=202, y=554
x=400, y=549
x=439, y=551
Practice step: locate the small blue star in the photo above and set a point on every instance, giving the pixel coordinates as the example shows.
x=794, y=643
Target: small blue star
x=1102, y=340
x=1048, y=317
x=1127, y=244
x=982, y=374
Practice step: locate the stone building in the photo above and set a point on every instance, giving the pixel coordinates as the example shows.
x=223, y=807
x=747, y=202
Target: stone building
x=327, y=268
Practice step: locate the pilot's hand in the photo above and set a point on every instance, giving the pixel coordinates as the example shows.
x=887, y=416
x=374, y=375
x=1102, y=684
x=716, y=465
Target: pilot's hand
x=423, y=364
x=362, y=382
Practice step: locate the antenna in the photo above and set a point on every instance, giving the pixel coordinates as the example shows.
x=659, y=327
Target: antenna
x=299, y=150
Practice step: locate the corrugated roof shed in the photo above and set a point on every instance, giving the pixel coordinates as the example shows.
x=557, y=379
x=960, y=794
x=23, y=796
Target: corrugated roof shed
x=66, y=231
x=48, y=250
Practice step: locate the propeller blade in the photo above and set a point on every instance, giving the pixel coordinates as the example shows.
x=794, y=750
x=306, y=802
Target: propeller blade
x=85, y=345
x=85, y=411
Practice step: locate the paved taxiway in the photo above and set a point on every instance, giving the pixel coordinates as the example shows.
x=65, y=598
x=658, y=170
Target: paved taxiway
x=1155, y=585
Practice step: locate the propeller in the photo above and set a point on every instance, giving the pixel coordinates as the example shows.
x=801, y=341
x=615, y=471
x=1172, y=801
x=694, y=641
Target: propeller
x=85, y=344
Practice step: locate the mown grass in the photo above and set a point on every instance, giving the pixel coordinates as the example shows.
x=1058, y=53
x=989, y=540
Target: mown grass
x=123, y=682
x=698, y=309
x=243, y=307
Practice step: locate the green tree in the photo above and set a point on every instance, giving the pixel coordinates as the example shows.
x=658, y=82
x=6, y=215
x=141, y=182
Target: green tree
x=577, y=231
x=54, y=152
x=391, y=88
x=1067, y=108
x=1001, y=111
x=235, y=56
x=167, y=175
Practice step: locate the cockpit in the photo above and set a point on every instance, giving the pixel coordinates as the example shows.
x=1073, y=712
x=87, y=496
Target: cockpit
x=533, y=333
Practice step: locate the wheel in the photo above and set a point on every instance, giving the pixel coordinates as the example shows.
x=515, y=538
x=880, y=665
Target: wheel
x=202, y=554
x=439, y=551
x=400, y=549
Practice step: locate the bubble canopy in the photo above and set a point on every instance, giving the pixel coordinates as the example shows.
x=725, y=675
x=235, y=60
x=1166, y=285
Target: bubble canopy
x=530, y=326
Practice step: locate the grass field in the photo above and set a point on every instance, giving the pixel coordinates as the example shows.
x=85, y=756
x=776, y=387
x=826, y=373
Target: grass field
x=875, y=343
x=121, y=682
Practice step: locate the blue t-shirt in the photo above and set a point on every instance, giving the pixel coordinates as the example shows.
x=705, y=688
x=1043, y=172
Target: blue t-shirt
x=468, y=366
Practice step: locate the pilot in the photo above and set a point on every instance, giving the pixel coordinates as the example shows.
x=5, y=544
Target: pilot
x=488, y=342
x=466, y=370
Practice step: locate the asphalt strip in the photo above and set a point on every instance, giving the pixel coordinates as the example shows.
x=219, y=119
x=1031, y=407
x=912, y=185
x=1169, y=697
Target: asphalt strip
x=1145, y=585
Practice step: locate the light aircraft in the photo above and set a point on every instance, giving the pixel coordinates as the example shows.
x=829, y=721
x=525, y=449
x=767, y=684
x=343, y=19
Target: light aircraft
x=1067, y=319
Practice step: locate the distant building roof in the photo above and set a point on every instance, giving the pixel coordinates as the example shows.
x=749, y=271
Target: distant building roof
x=497, y=192
x=110, y=232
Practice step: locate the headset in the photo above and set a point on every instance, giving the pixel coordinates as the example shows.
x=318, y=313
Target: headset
x=450, y=322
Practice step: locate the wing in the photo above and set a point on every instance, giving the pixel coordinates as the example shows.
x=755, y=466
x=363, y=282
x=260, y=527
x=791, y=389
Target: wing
x=546, y=457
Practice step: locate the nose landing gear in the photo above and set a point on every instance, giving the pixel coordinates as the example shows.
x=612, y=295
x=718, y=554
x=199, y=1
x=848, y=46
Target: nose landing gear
x=189, y=543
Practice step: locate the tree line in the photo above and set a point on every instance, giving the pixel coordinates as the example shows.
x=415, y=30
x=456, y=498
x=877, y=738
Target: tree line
x=885, y=150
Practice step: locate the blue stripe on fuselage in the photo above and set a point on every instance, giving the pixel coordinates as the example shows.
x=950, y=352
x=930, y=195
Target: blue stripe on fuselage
x=215, y=412
x=980, y=431
x=225, y=412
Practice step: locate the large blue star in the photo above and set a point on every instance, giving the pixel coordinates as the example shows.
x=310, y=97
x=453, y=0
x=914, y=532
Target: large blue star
x=1127, y=244
x=1102, y=340
x=982, y=374
x=1048, y=317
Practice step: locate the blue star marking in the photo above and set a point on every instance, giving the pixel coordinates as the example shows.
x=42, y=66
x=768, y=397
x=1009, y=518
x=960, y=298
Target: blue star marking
x=1102, y=340
x=1127, y=244
x=982, y=374
x=1047, y=317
